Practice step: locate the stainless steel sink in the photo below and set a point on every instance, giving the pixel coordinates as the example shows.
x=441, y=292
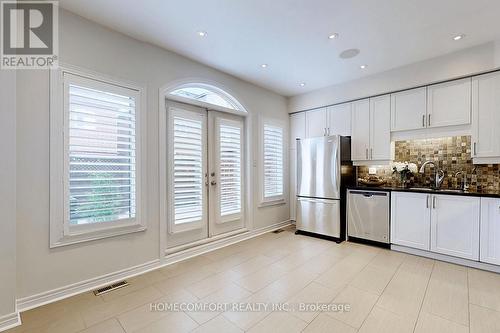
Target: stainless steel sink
x=438, y=190
x=421, y=188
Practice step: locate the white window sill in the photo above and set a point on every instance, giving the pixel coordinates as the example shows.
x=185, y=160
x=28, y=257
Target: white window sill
x=65, y=240
x=277, y=202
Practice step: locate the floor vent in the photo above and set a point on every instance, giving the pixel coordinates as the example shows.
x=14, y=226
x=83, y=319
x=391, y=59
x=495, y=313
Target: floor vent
x=110, y=288
x=278, y=231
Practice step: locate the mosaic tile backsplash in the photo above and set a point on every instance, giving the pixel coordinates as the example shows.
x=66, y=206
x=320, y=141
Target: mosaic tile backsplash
x=452, y=154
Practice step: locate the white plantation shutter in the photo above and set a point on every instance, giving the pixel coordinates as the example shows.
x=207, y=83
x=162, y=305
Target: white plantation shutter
x=230, y=168
x=188, y=170
x=273, y=161
x=101, y=165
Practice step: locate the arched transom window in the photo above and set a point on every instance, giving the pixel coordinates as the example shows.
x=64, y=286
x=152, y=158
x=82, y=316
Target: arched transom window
x=207, y=94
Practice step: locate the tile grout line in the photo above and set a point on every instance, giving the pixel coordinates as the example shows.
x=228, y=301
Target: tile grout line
x=378, y=298
x=425, y=294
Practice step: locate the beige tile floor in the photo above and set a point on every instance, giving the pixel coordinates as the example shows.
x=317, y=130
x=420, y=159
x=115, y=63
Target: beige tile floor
x=387, y=292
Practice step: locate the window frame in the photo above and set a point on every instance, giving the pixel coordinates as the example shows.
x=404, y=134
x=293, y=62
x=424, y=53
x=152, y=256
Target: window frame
x=278, y=199
x=61, y=232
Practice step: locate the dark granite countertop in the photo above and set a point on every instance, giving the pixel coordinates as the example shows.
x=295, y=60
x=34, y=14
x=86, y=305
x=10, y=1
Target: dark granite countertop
x=425, y=190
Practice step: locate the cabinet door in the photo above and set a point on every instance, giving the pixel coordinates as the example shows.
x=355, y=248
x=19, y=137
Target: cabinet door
x=339, y=119
x=409, y=109
x=316, y=123
x=490, y=231
x=449, y=103
x=297, y=129
x=410, y=219
x=486, y=115
x=455, y=226
x=380, y=128
x=360, y=137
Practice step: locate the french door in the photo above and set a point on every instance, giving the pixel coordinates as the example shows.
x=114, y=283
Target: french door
x=205, y=160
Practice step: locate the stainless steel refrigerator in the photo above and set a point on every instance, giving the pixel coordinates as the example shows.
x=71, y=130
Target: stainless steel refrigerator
x=324, y=170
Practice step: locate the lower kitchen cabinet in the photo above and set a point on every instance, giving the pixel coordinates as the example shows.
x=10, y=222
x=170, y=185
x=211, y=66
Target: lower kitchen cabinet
x=455, y=226
x=445, y=224
x=410, y=219
x=490, y=231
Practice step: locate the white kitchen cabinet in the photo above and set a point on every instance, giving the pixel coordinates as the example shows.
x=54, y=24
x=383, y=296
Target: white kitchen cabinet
x=486, y=118
x=410, y=219
x=360, y=136
x=380, y=131
x=490, y=231
x=455, y=226
x=449, y=103
x=371, y=133
x=409, y=109
x=339, y=119
x=297, y=128
x=316, y=123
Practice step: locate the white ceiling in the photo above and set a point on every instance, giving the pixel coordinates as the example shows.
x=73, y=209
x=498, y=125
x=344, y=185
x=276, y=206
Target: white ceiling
x=291, y=36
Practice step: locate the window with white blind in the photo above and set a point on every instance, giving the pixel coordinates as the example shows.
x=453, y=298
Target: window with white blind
x=95, y=158
x=272, y=162
x=230, y=164
x=188, y=175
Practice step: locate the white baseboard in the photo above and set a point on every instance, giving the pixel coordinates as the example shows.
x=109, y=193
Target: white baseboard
x=443, y=257
x=10, y=321
x=54, y=295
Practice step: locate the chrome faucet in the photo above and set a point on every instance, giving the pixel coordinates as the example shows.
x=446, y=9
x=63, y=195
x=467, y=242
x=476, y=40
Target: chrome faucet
x=463, y=182
x=438, y=174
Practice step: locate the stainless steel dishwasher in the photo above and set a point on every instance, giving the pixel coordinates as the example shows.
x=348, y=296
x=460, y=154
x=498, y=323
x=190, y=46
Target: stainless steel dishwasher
x=368, y=215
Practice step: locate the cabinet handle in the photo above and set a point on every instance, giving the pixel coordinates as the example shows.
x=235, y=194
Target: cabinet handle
x=371, y=153
x=429, y=121
x=427, y=202
x=366, y=153
x=434, y=202
x=423, y=120
x=328, y=131
x=475, y=151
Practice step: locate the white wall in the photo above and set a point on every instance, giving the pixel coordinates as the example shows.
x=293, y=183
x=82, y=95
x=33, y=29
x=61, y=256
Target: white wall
x=88, y=45
x=473, y=60
x=7, y=192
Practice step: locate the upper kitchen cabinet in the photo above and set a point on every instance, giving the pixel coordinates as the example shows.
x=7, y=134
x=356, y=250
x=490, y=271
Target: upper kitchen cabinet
x=316, y=123
x=360, y=138
x=297, y=128
x=449, y=103
x=409, y=109
x=486, y=118
x=380, y=131
x=339, y=119
x=371, y=133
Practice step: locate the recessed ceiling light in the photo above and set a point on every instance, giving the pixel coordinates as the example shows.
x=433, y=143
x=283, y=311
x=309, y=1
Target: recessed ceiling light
x=263, y=65
x=459, y=37
x=302, y=84
x=363, y=66
x=202, y=33
x=333, y=36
